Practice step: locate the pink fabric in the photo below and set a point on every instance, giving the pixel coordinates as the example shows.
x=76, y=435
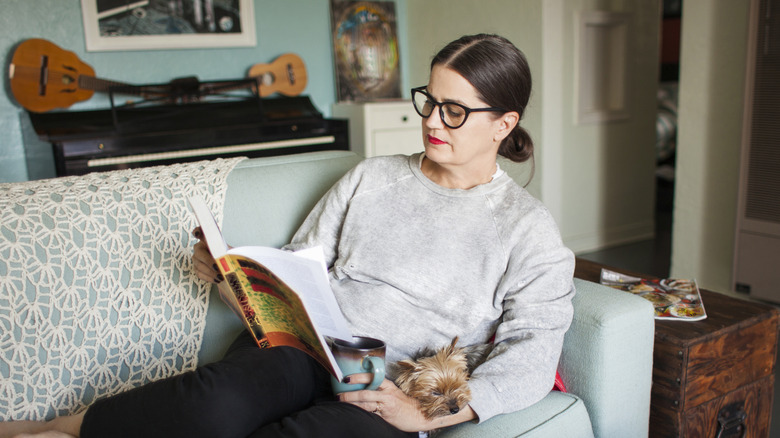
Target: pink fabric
x=558, y=385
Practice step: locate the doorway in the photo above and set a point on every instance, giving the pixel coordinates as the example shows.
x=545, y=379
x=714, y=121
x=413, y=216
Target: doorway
x=654, y=256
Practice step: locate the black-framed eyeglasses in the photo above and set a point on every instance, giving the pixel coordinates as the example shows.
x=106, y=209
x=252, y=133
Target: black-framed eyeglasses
x=452, y=114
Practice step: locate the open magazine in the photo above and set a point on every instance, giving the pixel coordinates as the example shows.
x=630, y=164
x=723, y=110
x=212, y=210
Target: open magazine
x=283, y=298
x=673, y=299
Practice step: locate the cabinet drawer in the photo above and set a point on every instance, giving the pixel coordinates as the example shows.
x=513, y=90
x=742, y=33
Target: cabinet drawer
x=397, y=141
x=754, y=400
x=401, y=115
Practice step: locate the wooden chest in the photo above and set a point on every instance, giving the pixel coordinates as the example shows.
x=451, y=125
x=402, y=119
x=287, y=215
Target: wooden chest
x=712, y=376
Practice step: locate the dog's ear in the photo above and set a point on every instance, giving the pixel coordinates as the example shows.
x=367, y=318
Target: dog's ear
x=450, y=349
x=405, y=366
x=400, y=371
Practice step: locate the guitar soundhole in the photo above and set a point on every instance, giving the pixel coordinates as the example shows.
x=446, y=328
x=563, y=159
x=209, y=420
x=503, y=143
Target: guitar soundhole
x=268, y=79
x=43, y=77
x=290, y=74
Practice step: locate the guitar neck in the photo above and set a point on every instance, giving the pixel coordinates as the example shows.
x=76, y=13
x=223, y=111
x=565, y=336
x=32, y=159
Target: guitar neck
x=104, y=86
x=218, y=87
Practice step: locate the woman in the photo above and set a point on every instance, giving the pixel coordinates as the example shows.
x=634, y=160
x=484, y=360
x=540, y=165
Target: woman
x=421, y=249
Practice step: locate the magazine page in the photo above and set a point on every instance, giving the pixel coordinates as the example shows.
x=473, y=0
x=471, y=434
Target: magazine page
x=306, y=276
x=673, y=299
x=208, y=225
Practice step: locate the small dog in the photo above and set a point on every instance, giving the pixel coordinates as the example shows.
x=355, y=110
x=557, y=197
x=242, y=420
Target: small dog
x=438, y=379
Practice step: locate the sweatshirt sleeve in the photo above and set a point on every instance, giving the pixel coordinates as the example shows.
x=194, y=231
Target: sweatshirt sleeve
x=535, y=295
x=323, y=225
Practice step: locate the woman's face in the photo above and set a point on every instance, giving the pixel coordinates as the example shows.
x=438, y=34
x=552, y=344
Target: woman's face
x=475, y=141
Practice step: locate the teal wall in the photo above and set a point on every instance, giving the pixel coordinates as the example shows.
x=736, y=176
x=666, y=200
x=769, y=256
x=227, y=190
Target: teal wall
x=297, y=26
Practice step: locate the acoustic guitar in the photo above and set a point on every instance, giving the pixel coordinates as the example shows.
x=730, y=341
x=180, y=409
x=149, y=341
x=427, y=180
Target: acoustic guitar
x=285, y=75
x=44, y=77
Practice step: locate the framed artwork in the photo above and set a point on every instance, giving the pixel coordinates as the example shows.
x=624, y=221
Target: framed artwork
x=365, y=50
x=167, y=24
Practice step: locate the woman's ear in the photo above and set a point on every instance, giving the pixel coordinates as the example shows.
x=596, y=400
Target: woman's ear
x=506, y=124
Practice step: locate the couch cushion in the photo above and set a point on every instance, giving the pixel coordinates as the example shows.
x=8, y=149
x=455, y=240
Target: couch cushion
x=557, y=415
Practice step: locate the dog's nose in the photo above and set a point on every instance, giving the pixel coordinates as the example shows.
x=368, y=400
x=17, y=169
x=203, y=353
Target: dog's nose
x=454, y=410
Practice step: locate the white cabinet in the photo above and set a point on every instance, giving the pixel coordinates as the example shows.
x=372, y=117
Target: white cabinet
x=382, y=128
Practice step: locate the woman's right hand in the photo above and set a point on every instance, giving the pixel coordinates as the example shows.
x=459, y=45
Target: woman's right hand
x=204, y=263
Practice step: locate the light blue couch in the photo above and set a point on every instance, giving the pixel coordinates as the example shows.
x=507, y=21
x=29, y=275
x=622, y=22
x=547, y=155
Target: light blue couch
x=607, y=357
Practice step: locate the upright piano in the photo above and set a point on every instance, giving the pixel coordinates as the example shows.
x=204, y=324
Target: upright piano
x=130, y=136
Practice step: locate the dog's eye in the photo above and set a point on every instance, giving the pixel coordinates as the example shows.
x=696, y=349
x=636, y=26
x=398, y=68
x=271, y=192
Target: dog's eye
x=436, y=393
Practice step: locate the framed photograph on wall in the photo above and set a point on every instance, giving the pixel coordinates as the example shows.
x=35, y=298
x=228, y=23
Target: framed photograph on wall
x=167, y=24
x=365, y=50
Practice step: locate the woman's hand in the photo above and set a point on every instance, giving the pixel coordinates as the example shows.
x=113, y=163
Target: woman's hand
x=397, y=408
x=204, y=263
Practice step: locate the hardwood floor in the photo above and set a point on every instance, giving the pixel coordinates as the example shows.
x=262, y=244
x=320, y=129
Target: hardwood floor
x=648, y=256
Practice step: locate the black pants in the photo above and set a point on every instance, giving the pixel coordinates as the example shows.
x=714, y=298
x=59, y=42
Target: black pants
x=251, y=392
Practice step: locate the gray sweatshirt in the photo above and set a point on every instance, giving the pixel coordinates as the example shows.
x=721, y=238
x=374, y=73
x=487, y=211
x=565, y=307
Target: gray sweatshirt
x=416, y=264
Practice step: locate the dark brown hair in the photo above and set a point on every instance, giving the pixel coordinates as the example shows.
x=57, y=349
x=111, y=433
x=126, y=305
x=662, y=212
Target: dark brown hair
x=499, y=72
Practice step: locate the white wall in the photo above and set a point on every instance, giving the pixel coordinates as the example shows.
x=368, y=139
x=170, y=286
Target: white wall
x=604, y=171
x=597, y=179
x=712, y=77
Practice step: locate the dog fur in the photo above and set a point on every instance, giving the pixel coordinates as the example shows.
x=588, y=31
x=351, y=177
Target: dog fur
x=438, y=379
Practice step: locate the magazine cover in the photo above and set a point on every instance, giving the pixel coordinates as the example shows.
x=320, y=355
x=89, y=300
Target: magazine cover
x=673, y=299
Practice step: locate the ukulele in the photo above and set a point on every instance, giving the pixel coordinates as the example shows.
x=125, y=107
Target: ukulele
x=44, y=77
x=285, y=75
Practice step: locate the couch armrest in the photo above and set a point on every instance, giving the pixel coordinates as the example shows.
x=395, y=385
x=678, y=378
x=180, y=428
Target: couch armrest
x=607, y=358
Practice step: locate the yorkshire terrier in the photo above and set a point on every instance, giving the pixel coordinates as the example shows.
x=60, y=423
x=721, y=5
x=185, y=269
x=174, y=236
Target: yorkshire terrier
x=438, y=379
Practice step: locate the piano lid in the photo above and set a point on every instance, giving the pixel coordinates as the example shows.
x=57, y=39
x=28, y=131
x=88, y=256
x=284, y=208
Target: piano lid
x=133, y=120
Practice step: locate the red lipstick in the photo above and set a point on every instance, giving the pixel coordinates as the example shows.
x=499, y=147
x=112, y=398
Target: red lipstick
x=434, y=140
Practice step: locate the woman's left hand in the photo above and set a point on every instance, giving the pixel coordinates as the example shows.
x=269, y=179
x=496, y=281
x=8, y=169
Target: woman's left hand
x=388, y=402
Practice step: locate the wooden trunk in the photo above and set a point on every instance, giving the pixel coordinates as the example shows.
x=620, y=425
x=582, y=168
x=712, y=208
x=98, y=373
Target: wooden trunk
x=712, y=375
